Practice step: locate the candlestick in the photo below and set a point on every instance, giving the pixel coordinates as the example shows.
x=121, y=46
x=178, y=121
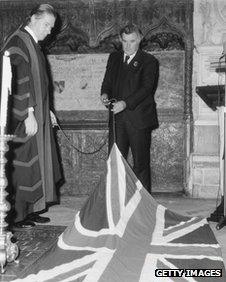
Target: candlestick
x=8, y=250
x=5, y=90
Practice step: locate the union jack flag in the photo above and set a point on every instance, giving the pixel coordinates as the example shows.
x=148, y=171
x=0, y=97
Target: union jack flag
x=123, y=235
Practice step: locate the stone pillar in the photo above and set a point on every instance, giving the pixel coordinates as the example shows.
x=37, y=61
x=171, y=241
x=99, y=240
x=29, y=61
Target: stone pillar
x=209, y=26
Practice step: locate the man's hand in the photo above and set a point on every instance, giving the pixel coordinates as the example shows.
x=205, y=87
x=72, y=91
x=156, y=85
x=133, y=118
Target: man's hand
x=53, y=119
x=31, y=126
x=104, y=99
x=118, y=107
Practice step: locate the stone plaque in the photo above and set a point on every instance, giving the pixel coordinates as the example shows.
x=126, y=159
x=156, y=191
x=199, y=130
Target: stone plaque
x=209, y=60
x=77, y=80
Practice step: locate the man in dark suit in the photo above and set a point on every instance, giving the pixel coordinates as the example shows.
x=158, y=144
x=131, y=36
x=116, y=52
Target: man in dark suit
x=130, y=80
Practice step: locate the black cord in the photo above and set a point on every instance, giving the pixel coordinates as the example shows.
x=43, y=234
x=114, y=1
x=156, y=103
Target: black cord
x=110, y=106
x=105, y=139
x=77, y=149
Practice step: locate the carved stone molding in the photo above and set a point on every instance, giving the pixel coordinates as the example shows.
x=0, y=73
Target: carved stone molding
x=211, y=15
x=98, y=120
x=93, y=26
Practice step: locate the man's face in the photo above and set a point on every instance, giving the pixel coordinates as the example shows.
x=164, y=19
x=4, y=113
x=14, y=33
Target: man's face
x=42, y=26
x=130, y=42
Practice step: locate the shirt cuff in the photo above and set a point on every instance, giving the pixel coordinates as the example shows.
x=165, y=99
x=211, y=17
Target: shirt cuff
x=30, y=109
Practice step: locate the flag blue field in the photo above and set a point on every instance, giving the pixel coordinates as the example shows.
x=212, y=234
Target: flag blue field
x=122, y=234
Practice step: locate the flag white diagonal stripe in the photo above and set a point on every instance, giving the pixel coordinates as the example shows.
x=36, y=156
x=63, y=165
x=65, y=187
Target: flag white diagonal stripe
x=181, y=232
x=188, y=256
x=215, y=246
x=172, y=266
x=158, y=231
x=122, y=182
x=99, y=266
x=148, y=270
x=91, y=233
x=193, y=219
x=108, y=196
x=44, y=275
x=64, y=246
x=159, y=239
x=128, y=212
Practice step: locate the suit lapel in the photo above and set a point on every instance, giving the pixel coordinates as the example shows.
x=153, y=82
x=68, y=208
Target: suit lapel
x=118, y=69
x=137, y=60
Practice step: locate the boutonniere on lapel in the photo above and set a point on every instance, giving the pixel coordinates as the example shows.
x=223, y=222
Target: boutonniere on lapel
x=135, y=64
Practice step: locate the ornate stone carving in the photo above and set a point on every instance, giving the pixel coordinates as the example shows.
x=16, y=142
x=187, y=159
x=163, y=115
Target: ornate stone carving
x=212, y=18
x=207, y=23
x=220, y=8
x=83, y=171
x=163, y=41
x=92, y=26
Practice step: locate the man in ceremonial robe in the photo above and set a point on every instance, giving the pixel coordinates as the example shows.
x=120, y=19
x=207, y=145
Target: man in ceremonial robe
x=35, y=164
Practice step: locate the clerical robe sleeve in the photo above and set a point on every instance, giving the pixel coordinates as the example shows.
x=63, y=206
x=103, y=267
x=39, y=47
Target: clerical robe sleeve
x=22, y=86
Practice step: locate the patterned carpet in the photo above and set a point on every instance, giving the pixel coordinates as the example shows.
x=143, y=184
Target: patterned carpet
x=33, y=244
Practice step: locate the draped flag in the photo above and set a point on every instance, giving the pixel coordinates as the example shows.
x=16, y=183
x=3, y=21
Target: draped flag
x=123, y=235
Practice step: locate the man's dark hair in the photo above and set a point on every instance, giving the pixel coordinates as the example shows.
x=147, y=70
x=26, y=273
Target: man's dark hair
x=130, y=28
x=41, y=9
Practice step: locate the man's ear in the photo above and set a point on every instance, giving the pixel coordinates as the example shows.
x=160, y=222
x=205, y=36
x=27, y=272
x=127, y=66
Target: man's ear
x=32, y=19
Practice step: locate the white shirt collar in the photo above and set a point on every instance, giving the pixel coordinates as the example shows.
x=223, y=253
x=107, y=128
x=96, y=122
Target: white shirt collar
x=30, y=31
x=130, y=57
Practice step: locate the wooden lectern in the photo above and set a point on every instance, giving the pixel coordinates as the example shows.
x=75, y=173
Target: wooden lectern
x=214, y=97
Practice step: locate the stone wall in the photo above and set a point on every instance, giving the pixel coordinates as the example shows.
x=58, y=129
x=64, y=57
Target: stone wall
x=209, y=34
x=85, y=123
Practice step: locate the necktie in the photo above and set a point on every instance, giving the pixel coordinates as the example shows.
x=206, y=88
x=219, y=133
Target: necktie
x=126, y=59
